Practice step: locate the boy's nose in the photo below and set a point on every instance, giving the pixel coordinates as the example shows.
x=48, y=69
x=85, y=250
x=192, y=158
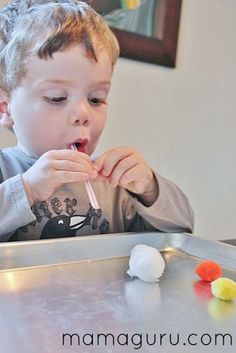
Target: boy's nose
x=80, y=114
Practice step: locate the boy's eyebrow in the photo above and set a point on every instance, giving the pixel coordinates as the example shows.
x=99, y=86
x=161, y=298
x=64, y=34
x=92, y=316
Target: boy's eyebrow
x=57, y=81
x=71, y=83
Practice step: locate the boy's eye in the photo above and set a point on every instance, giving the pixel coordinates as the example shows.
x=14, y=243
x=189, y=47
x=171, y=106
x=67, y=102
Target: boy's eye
x=97, y=101
x=55, y=100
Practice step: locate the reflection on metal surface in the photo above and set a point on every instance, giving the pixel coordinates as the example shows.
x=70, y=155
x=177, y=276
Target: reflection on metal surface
x=21, y=281
x=202, y=289
x=9, y=281
x=135, y=292
x=95, y=295
x=221, y=309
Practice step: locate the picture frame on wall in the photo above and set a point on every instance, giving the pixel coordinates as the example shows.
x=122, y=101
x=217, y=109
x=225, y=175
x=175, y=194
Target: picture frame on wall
x=147, y=30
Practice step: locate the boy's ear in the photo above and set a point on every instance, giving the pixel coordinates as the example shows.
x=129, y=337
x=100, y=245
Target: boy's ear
x=5, y=117
x=6, y=120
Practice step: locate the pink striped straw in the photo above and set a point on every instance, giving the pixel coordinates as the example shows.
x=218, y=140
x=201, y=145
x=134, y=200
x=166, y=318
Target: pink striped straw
x=89, y=189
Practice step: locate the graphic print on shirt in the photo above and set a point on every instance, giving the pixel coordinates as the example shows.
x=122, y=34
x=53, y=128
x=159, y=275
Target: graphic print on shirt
x=58, y=224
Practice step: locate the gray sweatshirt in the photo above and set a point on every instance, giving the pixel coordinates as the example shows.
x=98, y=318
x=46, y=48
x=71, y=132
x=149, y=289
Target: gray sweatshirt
x=68, y=211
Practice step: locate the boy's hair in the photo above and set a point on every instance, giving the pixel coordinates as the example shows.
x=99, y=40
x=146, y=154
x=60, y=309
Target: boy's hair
x=43, y=27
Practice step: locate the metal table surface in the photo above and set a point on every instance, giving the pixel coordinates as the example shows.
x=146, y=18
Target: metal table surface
x=79, y=287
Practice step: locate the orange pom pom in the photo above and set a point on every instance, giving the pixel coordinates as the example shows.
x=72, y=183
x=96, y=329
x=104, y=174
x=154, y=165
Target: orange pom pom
x=208, y=270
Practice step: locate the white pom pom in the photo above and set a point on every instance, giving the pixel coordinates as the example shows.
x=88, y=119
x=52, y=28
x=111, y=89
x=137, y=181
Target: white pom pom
x=146, y=263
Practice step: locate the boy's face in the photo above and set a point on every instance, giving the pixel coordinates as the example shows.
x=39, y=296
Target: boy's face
x=61, y=101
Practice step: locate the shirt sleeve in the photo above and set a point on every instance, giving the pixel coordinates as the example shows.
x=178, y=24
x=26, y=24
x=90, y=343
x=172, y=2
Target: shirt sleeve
x=15, y=211
x=171, y=212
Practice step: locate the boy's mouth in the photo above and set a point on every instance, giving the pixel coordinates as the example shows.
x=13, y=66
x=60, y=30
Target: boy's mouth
x=80, y=145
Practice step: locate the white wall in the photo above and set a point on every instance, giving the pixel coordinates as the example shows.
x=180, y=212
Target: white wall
x=6, y=138
x=183, y=119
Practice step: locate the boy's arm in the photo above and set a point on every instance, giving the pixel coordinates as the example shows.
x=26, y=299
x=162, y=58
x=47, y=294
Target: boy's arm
x=171, y=212
x=15, y=211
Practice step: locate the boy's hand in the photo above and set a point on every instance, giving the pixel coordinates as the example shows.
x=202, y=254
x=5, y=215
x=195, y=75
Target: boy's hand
x=55, y=168
x=126, y=167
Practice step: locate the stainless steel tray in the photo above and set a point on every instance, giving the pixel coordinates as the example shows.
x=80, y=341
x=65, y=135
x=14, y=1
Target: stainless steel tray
x=79, y=286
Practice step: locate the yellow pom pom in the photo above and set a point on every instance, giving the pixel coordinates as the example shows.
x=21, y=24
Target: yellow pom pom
x=224, y=288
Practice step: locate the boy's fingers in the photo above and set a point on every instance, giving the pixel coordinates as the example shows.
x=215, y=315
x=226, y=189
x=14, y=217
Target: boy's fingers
x=129, y=177
x=72, y=177
x=135, y=181
x=100, y=160
x=109, y=159
x=121, y=169
x=101, y=178
x=67, y=155
x=73, y=166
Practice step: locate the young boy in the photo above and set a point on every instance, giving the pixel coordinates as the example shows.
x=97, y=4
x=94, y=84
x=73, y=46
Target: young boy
x=56, y=63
